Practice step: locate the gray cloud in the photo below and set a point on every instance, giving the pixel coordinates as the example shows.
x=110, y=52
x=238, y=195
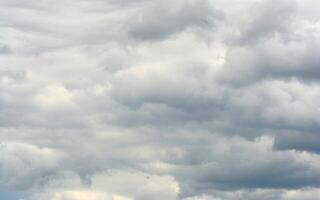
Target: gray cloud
x=165, y=18
x=4, y=49
x=268, y=19
x=302, y=141
x=189, y=100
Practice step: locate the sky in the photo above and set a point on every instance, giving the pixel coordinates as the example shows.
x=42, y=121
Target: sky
x=159, y=99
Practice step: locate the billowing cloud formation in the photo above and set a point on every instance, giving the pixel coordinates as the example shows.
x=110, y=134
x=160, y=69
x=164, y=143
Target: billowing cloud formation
x=153, y=100
x=109, y=186
x=152, y=22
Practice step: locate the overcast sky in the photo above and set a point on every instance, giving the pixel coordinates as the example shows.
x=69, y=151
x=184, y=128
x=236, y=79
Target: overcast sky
x=159, y=100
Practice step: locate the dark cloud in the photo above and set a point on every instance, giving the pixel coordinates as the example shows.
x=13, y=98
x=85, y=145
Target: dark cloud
x=266, y=19
x=302, y=141
x=161, y=19
x=272, y=59
x=4, y=49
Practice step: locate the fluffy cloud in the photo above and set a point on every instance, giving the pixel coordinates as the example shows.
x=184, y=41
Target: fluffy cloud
x=21, y=164
x=115, y=185
x=150, y=100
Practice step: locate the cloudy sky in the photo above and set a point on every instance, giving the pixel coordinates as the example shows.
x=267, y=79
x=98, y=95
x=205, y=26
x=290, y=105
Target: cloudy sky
x=159, y=99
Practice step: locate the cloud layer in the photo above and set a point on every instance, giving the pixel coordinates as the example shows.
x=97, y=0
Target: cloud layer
x=153, y=100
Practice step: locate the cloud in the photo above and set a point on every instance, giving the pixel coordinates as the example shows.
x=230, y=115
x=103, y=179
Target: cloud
x=164, y=18
x=4, y=49
x=266, y=19
x=148, y=100
x=112, y=185
x=223, y=168
x=297, y=140
x=22, y=164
